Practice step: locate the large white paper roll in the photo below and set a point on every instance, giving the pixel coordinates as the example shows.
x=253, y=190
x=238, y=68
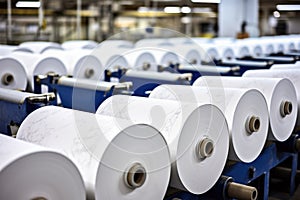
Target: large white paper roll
x=28, y=171
x=280, y=95
x=79, y=44
x=246, y=112
x=292, y=75
x=286, y=66
x=80, y=63
x=210, y=52
x=38, y=46
x=141, y=59
x=13, y=74
x=6, y=49
x=37, y=64
x=152, y=42
x=116, y=44
x=197, y=136
x=114, y=58
x=117, y=160
x=190, y=54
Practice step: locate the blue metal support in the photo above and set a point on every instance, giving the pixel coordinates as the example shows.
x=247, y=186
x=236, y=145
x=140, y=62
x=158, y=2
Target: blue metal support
x=143, y=81
x=12, y=113
x=78, y=96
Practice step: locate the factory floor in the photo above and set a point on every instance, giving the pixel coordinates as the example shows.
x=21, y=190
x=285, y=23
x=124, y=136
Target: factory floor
x=279, y=190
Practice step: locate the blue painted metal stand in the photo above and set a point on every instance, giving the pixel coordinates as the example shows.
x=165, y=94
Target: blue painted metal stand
x=141, y=85
x=13, y=114
x=73, y=97
x=245, y=173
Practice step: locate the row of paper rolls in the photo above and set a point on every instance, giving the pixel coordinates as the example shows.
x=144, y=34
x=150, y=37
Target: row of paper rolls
x=190, y=138
x=18, y=68
x=184, y=131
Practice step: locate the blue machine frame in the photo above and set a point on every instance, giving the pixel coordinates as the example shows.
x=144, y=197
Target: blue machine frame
x=79, y=98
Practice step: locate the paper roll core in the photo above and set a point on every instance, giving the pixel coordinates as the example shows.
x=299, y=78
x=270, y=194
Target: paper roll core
x=89, y=73
x=205, y=148
x=242, y=192
x=39, y=198
x=146, y=66
x=7, y=79
x=286, y=108
x=253, y=124
x=136, y=176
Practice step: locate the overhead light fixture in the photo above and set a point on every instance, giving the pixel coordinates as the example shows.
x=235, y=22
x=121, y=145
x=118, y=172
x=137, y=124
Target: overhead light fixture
x=276, y=14
x=28, y=4
x=172, y=9
x=186, y=9
x=143, y=9
x=282, y=7
x=206, y=1
x=201, y=10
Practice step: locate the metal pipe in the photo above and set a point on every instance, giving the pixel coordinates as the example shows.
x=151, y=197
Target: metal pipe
x=241, y=192
x=253, y=124
x=135, y=177
x=286, y=108
x=9, y=35
x=78, y=19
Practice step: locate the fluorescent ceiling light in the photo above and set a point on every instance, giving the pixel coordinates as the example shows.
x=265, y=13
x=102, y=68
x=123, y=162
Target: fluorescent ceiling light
x=185, y=9
x=206, y=1
x=143, y=9
x=201, y=10
x=28, y=4
x=276, y=14
x=282, y=7
x=172, y=9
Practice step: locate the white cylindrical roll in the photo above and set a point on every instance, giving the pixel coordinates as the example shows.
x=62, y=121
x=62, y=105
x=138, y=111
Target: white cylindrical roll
x=190, y=54
x=292, y=75
x=37, y=64
x=241, y=108
x=80, y=63
x=141, y=59
x=6, y=49
x=116, y=44
x=116, y=159
x=39, y=47
x=210, y=52
x=28, y=171
x=152, y=42
x=286, y=66
x=280, y=95
x=240, y=50
x=114, y=58
x=198, y=146
x=13, y=74
x=79, y=44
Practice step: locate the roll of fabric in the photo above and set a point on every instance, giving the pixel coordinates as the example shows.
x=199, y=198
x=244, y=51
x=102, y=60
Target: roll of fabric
x=246, y=112
x=292, y=75
x=279, y=93
x=198, y=147
x=33, y=172
x=116, y=158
